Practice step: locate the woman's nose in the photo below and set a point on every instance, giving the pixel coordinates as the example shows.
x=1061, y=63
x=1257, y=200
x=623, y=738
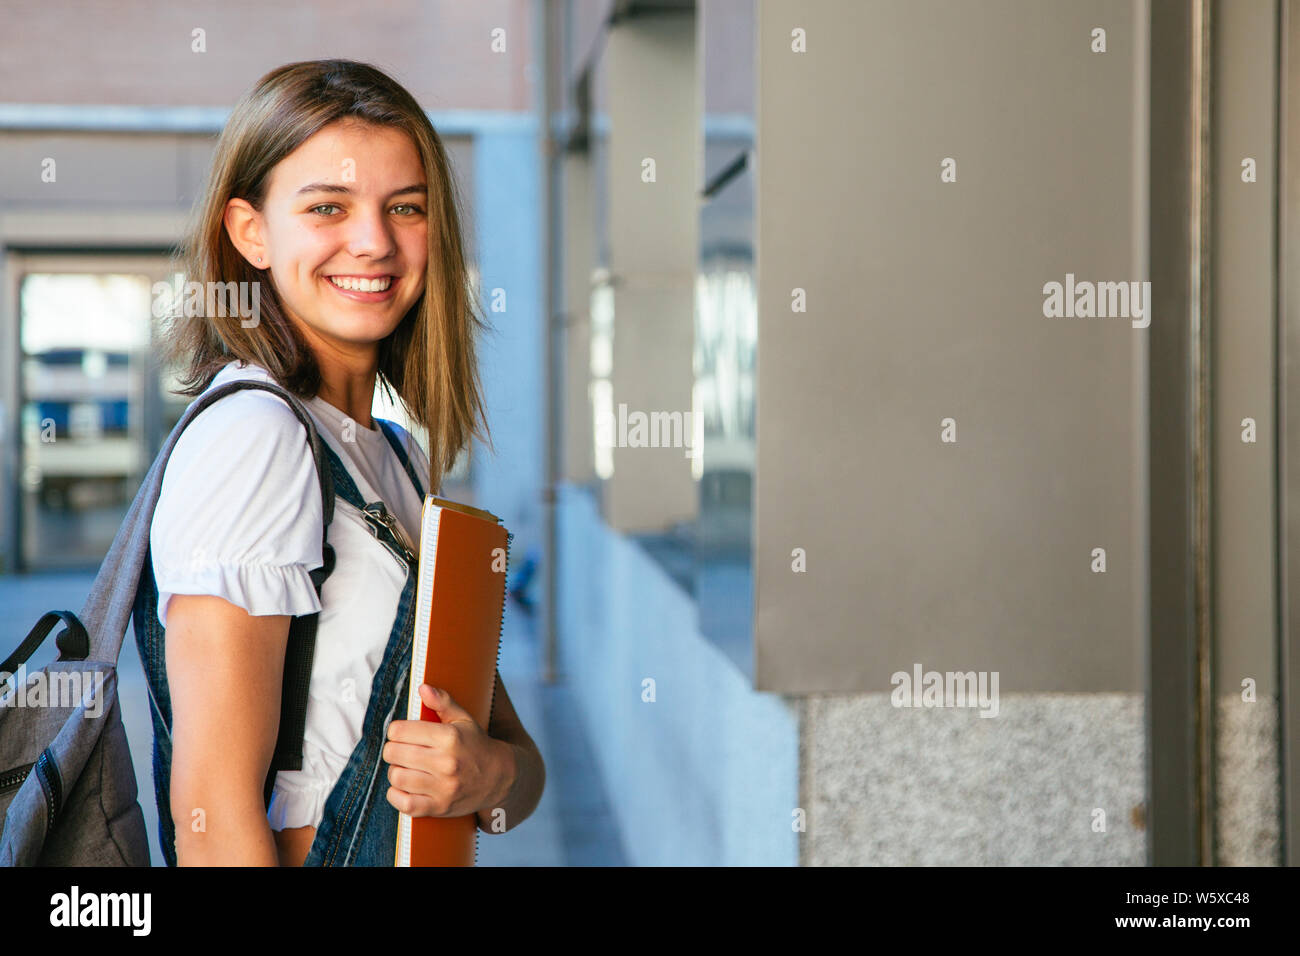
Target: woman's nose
x=370, y=235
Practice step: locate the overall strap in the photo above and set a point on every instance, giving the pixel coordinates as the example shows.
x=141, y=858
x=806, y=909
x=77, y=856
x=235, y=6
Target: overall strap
x=344, y=486
x=390, y=432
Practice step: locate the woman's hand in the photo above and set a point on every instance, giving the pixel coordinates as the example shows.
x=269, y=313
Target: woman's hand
x=448, y=769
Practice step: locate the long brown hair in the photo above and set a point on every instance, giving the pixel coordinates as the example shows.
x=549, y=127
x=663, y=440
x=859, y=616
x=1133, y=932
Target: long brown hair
x=429, y=359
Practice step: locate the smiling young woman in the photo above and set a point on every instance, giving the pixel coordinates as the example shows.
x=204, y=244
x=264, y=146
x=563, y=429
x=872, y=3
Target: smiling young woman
x=331, y=188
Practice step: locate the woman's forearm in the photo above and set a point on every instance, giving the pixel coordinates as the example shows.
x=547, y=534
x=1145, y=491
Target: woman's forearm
x=224, y=669
x=228, y=838
x=525, y=791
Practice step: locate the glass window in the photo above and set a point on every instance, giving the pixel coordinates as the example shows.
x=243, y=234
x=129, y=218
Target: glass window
x=84, y=345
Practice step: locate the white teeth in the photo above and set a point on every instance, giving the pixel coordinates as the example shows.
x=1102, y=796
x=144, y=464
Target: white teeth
x=362, y=285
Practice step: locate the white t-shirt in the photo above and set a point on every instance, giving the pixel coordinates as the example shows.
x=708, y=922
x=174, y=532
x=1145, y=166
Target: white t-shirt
x=239, y=516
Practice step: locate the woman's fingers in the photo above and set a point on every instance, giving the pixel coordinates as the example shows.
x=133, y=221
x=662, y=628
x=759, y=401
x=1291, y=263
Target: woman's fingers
x=419, y=771
x=423, y=805
x=418, y=756
x=425, y=732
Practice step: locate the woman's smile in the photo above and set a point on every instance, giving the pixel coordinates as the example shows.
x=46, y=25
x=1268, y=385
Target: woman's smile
x=364, y=288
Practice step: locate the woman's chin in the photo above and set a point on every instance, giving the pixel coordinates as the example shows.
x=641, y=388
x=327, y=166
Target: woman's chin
x=360, y=330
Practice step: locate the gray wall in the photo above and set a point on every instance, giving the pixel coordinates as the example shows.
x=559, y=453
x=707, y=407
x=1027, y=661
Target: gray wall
x=925, y=302
x=653, y=249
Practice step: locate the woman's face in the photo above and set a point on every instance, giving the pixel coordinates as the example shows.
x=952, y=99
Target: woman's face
x=347, y=205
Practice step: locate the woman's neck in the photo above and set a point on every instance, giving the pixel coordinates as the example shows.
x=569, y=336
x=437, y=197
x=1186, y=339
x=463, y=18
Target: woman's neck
x=347, y=373
x=349, y=386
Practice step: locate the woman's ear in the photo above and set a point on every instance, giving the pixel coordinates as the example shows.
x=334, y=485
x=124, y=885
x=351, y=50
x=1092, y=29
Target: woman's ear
x=244, y=226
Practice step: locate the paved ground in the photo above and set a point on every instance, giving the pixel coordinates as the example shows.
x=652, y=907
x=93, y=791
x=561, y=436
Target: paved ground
x=572, y=825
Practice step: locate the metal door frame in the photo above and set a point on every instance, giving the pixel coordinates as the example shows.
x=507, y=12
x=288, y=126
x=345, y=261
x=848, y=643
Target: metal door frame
x=1288, y=426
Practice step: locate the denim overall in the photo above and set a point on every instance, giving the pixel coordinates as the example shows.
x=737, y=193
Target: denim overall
x=359, y=826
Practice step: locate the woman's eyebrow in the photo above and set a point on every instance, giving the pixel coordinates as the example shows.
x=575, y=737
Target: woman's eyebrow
x=336, y=188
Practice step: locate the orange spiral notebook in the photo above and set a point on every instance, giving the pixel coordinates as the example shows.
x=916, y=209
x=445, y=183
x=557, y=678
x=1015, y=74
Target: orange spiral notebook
x=459, y=608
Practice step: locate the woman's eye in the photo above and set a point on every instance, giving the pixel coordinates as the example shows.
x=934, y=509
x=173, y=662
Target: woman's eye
x=414, y=210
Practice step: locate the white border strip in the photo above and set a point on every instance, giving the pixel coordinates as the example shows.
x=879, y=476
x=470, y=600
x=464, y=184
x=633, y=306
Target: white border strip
x=61, y=117
x=211, y=119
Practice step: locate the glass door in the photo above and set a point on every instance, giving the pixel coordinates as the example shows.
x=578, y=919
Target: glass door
x=89, y=397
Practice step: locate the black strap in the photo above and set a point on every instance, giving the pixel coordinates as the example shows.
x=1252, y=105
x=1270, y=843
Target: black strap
x=301, y=647
x=73, y=641
x=297, y=680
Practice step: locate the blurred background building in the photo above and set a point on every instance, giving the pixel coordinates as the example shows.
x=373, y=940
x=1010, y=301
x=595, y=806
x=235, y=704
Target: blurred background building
x=840, y=218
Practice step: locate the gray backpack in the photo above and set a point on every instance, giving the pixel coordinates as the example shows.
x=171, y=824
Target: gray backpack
x=67, y=781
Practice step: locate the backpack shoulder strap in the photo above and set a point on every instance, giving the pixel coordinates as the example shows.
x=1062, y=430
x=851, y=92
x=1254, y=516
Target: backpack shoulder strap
x=107, y=611
x=112, y=595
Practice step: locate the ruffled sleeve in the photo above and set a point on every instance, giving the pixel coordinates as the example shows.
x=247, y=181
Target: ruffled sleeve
x=239, y=515
x=298, y=796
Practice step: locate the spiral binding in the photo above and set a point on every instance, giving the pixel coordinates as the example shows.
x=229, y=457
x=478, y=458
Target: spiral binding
x=505, y=591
